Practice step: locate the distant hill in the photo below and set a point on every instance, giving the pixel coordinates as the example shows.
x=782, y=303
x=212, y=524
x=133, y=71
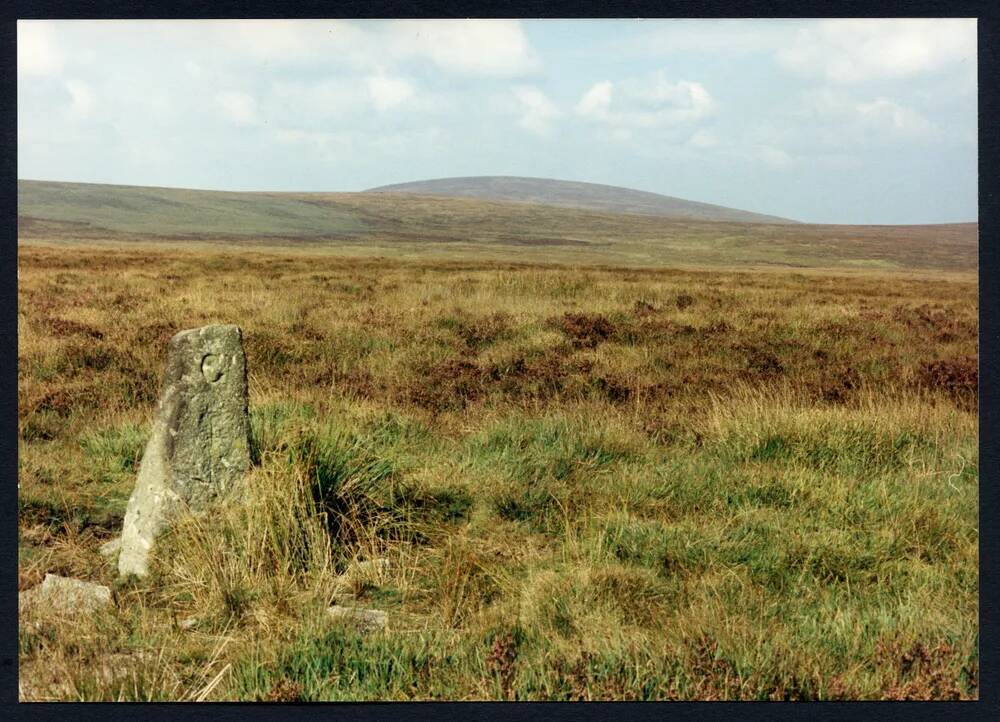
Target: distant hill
x=572, y=194
x=180, y=211
x=407, y=225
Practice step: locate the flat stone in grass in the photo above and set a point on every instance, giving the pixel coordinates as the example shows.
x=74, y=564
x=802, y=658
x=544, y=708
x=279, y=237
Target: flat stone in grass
x=199, y=448
x=63, y=595
x=364, y=620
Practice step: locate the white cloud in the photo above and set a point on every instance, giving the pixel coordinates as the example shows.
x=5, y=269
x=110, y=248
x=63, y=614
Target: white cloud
x=596, y=102
x=536, y=110
x=277, y=42
x=320, y=101
x=237, y=107
x=471, y=47
x=648, y=103
x=82, y=98
x=37, y=53
x=461, y=47
x=773, y=156
x=323, y=145
x=855, y=51
x=337, y=145
x=703, y=139
x=708, y=36
x=387, y=92
x=854, y=118
x=621, y=135
x=349, y=99
x=884, y=113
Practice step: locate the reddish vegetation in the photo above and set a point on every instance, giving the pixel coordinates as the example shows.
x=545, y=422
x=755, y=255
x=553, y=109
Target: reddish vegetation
x=922, y=673
x=838, y=385
x=60, y=328
x=937, y=322
x=683, y=300
x=502, y=663
x=158, y=334
x=762, y=362
x=586, y=329
x=644, y=308
x=455, y=382
x=959, y=377
x=285, y=690
x=58, y=401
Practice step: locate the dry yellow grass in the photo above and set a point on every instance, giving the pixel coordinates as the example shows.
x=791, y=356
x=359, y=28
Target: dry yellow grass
x=591, y=483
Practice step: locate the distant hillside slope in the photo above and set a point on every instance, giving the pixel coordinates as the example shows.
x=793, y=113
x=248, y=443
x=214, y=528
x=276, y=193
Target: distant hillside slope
x=180, y=211
x=469, y=229
x=591, y=196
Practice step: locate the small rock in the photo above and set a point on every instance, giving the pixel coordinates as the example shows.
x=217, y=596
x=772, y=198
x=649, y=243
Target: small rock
x=120, y=666
x=109, y=549
x=189, y=623
x=366, y=620
x=63, y=595
x=372, y=566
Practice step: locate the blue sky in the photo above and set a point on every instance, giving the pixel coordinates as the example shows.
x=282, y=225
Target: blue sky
x=838, y=121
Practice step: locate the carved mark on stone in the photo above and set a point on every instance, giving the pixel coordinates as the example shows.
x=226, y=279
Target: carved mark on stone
x=213, y=367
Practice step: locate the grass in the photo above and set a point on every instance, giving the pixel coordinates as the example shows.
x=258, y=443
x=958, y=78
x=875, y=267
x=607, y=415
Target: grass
x=591, y=483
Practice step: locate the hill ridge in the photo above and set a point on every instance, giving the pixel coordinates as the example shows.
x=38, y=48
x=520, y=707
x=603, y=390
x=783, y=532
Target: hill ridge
x=421, y=227
x=577, y=194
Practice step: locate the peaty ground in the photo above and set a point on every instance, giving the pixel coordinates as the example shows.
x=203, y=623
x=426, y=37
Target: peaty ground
x=591, y=483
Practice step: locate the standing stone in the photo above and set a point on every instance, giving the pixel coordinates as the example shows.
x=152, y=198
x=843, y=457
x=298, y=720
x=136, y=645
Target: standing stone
x=200, y=442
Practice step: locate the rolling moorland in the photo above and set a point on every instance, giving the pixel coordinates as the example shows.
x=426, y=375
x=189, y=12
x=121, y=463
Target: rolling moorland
x=672, y=459
x=407, y=226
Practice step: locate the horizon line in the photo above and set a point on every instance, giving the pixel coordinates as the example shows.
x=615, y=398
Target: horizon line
x=376, y=188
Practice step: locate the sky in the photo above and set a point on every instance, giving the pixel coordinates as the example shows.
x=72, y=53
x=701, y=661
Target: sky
x=825, y=121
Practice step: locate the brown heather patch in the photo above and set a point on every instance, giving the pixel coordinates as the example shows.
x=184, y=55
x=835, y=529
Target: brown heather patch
x=938, y=322
x=59, y=401
x=270, y=351
x=762, y=362
x=304, y=330
x=357, y=383
x=643, y=308
x=40, y=426
x=127, y=300
x=839, y=385
x=585, y=330
x=958, y=377
x=919, y=672
x=501, y=663
x=713, y=675
x=284, y=690
x=157, y=334
x=60, y=328
x=457, y=382
x=77, y=358
x=483, y=331
x=450, y=384
x=683, y=301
